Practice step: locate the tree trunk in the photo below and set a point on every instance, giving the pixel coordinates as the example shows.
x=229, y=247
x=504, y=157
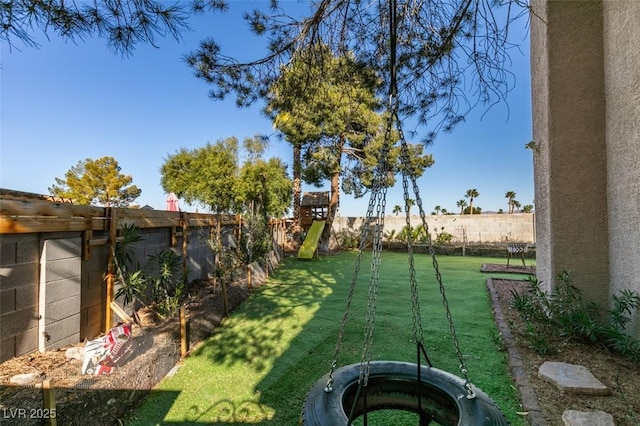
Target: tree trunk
x=334, y=199
x=297, y=166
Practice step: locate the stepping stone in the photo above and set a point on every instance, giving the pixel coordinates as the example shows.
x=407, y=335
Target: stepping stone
x=587, y=418
x=572, y=378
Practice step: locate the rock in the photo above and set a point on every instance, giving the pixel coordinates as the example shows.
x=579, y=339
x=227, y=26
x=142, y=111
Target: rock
x=24, y=379
x=587, y=418
x=75, y=352
x=572, y=378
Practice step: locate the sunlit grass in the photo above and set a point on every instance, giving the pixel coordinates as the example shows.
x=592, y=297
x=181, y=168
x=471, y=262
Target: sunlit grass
x=258, y=367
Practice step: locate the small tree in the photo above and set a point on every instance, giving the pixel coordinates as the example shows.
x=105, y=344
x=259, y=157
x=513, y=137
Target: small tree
x=263, y=185
x=206, y=175
x=97, y=182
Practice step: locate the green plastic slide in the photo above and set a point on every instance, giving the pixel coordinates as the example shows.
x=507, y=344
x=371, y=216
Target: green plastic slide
x=308, y=247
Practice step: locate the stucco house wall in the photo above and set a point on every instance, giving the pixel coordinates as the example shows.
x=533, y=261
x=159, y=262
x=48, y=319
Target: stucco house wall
x=585, y=58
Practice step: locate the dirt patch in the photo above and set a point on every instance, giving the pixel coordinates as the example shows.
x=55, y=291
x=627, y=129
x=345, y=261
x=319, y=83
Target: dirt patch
x=106, y=400
x=621, y=376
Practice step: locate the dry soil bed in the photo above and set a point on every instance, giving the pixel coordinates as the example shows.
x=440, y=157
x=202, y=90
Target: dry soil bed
x=617, y=373
x=105, y=400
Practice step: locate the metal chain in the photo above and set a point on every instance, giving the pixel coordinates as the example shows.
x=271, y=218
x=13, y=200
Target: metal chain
x=404, y=152
x=418, y=332
x=374, y=201
x=376, y=260
x=378, y=202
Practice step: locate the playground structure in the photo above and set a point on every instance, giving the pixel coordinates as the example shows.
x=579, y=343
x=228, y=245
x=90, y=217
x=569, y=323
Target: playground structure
x=310, y=245
x=314, y=206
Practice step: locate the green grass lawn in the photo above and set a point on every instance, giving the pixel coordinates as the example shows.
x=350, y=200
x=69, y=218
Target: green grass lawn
x=258, y=367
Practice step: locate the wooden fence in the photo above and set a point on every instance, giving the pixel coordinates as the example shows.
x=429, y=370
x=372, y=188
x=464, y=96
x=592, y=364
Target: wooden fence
x=56, y=268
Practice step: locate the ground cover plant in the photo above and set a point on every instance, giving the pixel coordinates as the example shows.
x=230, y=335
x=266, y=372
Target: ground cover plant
x=552, y=318
x=258, y=367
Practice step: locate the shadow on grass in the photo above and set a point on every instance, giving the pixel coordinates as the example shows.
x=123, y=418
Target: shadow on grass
x=299, y=285
x=25, y=406
x=286, y=332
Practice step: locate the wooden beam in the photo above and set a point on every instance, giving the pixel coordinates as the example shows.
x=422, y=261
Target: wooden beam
x=113, y=232
x=121, y=313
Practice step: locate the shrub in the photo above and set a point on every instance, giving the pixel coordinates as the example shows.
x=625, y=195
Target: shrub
x=167, y=281
x=349, y=238
x=562, y=314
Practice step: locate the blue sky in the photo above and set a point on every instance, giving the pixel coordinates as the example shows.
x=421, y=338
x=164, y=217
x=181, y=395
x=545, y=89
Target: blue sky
x=66, y=102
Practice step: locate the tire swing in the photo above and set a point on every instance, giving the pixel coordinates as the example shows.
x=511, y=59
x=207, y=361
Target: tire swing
x=349, y=392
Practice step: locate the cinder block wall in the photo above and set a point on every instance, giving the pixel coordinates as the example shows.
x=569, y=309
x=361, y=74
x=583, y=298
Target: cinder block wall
x=478, y=229
x=19, y=274
x=59, y=290
x=45, y=273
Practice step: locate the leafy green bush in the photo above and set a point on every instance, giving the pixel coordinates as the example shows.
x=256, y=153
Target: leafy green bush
x=166, y=280
x=160, y=283
x=255, y=242
x=349, y=238
x=417, y=234
x=562, y=314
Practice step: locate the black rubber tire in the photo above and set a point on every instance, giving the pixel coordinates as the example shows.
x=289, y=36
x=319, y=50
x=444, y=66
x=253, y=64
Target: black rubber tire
x=394, y=385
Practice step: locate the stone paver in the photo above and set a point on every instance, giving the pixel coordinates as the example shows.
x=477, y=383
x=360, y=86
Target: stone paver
x=587, y=418
x=572, y=378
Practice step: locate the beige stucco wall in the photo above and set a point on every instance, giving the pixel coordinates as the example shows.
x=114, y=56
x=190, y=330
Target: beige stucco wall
x=585, y=58
x=622, y=76
x=569, y=131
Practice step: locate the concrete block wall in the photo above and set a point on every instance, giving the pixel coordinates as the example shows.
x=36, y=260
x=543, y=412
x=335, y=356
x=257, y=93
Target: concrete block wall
x=19, y=272
x=51, y=297
x=59, y=292
x=478, y=229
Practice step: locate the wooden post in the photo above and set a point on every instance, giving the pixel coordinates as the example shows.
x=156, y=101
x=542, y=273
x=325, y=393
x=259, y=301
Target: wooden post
x=225, y=297
x=184, y=338
x=174, y=237
x=49, y=402
x=86, y=244
x=113, y=233
x=249, y=283
x=185, y=241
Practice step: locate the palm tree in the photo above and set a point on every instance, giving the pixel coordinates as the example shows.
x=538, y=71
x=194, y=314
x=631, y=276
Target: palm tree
x=437, y=209
x=527, y=208
x=516, y=205
x=410, y=203
x=397, y=209
x=510, y=196
x=462, y=204
x=471, y=194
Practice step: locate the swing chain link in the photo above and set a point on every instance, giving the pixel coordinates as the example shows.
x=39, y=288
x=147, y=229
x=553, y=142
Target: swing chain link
x=374, y=205
x=377, y=201
x=405, y=161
